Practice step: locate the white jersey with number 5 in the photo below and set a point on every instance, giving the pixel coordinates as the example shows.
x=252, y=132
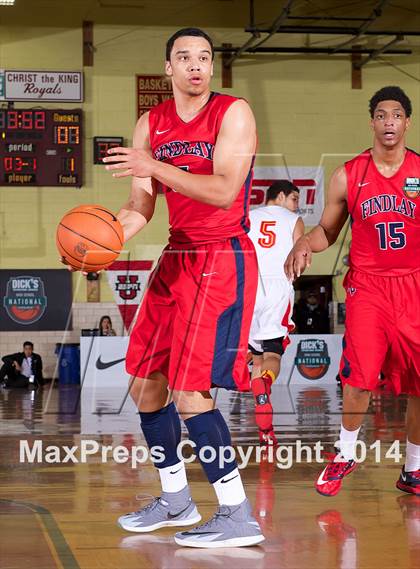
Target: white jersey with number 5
x=271, y=231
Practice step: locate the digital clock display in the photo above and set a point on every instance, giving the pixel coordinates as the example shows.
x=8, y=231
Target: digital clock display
x=101, y=145
x=41, y=147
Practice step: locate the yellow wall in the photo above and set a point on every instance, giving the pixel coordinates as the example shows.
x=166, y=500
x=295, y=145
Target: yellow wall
x=305, y=110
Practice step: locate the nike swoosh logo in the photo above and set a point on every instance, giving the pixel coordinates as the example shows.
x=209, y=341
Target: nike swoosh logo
x=403, y=476
x=321, y=481
x=175, y=471
x=208, y=274
x=363, y=184
x=104, y=365
x=162, y=131
x=171, y=516
x=229, y=479
x=201, y=533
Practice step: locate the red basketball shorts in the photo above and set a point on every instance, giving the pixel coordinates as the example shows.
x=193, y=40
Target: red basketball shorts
x=382, y=332
x=194, y=321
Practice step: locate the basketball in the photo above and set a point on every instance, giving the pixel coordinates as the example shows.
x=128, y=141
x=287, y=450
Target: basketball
x=89, y=237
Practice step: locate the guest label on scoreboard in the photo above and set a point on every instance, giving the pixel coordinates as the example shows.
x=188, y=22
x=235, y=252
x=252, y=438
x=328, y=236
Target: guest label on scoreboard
x=41, y=147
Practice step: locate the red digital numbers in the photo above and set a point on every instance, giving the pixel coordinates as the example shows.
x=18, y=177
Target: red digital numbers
x=19, y=164
x=8, y=163
x=39, y=120
x=27, y=120
x=12, y=120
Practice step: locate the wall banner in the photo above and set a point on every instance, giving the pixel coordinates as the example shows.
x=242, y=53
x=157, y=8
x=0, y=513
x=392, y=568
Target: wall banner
x=35, y=300
x=309, y=180
x=128, y=280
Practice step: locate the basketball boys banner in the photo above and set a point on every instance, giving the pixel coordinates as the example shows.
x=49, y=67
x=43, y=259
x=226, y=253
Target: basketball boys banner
x=35, y=300
x=128, y=280
x=151, y=90
x=309, y=180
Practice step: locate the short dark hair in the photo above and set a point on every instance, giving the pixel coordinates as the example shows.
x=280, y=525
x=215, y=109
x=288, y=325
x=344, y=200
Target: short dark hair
x=28, y=343
x=195, y=32
x=278, y=186
x=390, y=93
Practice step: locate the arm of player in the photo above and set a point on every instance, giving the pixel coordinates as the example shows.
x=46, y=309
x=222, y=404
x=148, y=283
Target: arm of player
x=140, y=206
x=326, y=232
x=233, y=154
x=299, y=229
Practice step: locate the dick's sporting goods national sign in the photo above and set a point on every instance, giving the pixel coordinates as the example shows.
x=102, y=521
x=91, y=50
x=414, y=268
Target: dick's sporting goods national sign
x=35, y=300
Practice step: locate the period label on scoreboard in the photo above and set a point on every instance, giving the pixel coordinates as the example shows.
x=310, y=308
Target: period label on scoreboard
x=151, y=91
x=41, y=147
x=21, y=85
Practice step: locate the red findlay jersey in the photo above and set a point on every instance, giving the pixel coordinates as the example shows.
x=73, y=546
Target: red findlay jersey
x=190, y=146
x=385, y=216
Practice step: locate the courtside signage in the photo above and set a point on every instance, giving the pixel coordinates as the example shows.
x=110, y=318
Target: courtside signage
x=25, y=301
x=35, y=300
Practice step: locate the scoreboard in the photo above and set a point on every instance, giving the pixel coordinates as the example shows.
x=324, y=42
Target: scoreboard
x=41, y=147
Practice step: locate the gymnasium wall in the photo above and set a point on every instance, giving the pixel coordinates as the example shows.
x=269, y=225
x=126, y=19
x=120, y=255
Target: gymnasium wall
x=305, y=108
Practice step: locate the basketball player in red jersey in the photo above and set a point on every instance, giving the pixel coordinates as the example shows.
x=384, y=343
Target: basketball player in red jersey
x=380, y=190
x=192, y=329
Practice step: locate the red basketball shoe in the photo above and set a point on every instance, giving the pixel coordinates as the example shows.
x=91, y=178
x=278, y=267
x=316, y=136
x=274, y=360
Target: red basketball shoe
x=409, y=482
x=329, y=481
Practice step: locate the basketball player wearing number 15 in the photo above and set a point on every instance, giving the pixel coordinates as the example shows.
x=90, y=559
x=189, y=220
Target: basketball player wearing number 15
x=380, y=191
x=193, y=326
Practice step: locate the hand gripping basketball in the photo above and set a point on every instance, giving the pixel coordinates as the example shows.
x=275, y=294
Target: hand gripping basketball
x=89, y=238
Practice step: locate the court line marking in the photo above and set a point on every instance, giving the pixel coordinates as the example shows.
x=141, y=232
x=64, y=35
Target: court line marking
x=61, y=550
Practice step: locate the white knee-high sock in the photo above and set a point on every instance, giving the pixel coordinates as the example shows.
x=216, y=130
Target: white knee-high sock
x=173, y=478
x=348, y=441
x=412, y=457
x=229, y=489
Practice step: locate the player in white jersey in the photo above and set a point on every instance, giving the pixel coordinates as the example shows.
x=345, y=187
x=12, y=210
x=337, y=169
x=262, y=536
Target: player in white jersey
x=275, y=228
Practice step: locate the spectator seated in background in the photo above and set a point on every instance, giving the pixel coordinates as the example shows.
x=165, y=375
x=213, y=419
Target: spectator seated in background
x=19, y=368
x=310, y=317
x=105, y=327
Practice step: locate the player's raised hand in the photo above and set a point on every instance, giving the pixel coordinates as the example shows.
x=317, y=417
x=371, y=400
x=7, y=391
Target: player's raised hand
x=299, y=259
x=129, y=162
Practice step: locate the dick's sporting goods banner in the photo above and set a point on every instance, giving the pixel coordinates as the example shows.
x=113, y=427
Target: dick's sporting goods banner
x=311, y=358
x=309, y=180
x=128, y=280
x=35, y=300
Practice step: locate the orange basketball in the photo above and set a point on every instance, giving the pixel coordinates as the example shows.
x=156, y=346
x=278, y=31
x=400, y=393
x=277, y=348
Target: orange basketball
x=89, y=237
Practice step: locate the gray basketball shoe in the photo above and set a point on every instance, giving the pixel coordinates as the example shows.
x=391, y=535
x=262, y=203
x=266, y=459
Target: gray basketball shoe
x=170, y=509
x=231, y=526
